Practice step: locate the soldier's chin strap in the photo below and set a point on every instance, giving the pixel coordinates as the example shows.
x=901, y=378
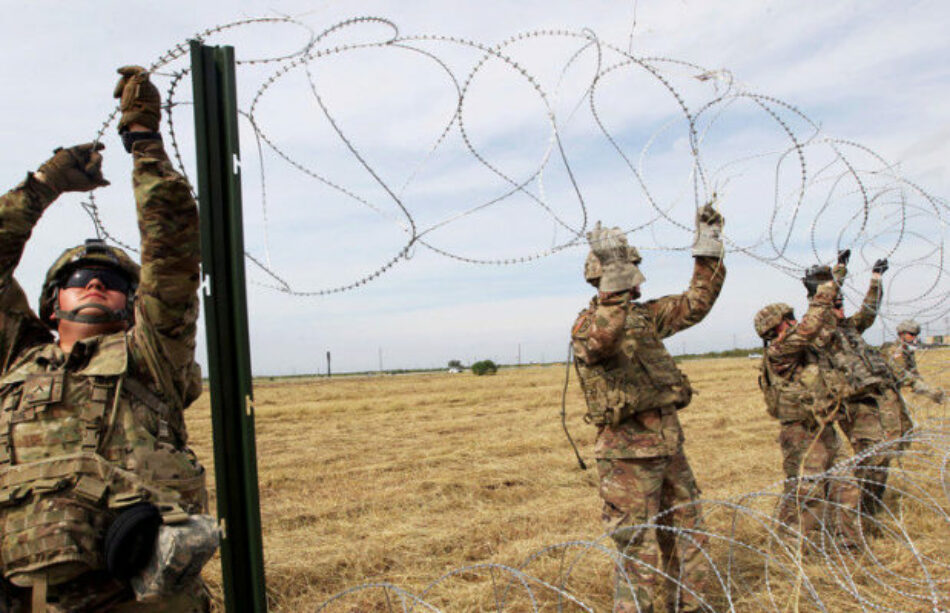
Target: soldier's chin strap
x=106, y=315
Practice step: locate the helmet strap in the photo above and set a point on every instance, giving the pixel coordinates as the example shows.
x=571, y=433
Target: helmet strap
x=107, y=315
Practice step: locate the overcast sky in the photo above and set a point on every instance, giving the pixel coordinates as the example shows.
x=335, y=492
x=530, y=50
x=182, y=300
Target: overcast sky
x=865, y=72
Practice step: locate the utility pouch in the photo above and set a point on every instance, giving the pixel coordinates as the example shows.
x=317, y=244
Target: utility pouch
x=605, y=398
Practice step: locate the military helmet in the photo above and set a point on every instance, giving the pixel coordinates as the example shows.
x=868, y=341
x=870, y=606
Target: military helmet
x=593, y=270
x=770, y=316
x=93, y=253
x=910, y=326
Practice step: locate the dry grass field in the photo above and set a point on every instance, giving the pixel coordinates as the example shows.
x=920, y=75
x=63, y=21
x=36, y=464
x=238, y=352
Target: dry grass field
x=404, y=479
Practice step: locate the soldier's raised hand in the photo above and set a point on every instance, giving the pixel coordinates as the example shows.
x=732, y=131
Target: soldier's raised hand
x=844, y=256
x=709, y=222
x=610, y=246
x=74, y=169
x=139, y=100
x=880, y=266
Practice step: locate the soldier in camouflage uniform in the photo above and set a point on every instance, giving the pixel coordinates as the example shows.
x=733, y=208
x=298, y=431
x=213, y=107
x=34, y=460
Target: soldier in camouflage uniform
x=873, y=410
x=900, y=357
x=633, y=391
x=93, y=447
x=795, y=395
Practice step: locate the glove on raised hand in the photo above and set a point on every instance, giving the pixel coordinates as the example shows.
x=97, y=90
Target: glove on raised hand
x=138, y=99
x=880, y=266
x=75, y=169
x=815, y=276
x=708, y=241
x=844, y=256
x=609, y=245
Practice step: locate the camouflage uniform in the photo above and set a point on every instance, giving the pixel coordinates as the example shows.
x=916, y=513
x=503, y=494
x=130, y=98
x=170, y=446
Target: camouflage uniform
x=900, y=357
x=795, y=395
x=86, y=434
x=633, y=390
x=874, y=411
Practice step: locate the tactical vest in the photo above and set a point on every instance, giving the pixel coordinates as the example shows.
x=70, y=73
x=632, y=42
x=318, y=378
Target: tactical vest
x=76, y=447
x=797, y=400
x=641, y=376
x=854, y=369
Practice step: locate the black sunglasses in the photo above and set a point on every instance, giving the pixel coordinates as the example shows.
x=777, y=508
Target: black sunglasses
x=109, y=278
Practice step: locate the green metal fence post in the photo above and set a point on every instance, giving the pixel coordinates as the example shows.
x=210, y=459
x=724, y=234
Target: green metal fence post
x=225, y=310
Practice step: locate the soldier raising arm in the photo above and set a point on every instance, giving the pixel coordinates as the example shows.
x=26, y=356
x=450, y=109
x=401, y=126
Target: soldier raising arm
x=795, y=395
x=864, y=318
x=633, y=390
x=99, y=411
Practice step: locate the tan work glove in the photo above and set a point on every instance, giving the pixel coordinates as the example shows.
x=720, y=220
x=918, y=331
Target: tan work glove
x=609, y=245
x=138, y=99
x=708, y=241
x=76, y=169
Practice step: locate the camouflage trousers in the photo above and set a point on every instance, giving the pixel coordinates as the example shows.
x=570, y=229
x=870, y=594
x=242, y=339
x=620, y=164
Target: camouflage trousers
x=96, y=591
x=811, y=504
x=868, y=422
x=634, y=491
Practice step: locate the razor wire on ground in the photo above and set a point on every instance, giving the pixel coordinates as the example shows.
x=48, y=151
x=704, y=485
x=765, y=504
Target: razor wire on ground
x=669, y=126
x=752, y=560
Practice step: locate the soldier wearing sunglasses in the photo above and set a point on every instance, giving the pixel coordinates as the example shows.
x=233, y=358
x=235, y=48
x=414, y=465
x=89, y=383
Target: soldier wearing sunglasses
x=101, y=500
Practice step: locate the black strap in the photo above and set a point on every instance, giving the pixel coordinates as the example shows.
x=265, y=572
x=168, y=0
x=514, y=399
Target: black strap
x=107, y=316
x=129, y=138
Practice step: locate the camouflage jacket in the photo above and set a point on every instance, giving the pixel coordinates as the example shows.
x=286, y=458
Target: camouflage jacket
x=105, y=419
x=864, y=318
x=900, y=357
x=622, y=363
x=790, y=376
x=855, y=369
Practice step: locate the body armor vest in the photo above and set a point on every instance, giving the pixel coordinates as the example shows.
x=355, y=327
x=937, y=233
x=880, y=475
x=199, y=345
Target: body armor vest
x=641, y=376
x=854, y=369
x=800, y=399
x=77, y=447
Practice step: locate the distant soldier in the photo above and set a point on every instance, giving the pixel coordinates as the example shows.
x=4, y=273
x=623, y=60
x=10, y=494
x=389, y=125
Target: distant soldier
x=633, y=390
x=873, y=409
x=900, y=356
x=795, y=395
x=100, y=496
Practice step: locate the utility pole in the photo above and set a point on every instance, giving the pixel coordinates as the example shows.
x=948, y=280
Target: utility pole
x=225, y=308
x=329, y=373
x=380, y=360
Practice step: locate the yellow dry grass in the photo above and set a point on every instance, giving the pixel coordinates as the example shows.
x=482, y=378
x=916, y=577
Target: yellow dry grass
x=402, y=479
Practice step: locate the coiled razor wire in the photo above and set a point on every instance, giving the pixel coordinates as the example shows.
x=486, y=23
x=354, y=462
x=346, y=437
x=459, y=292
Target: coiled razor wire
x=751, y=560
x=876, y=211
x=827, y=194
